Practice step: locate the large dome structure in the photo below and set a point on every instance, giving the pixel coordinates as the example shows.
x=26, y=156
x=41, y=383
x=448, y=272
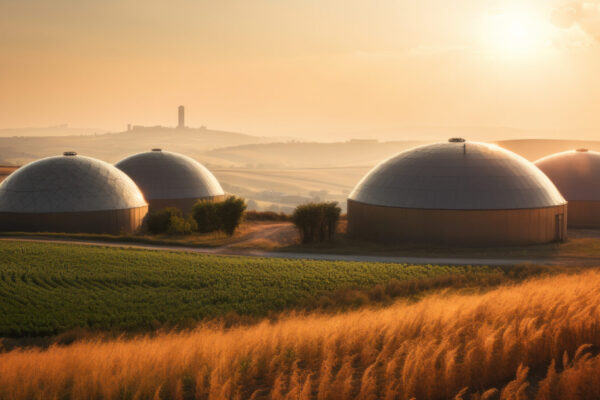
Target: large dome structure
x=457, y=193
x=70, y=193
x=576, y=174
x=170, y=179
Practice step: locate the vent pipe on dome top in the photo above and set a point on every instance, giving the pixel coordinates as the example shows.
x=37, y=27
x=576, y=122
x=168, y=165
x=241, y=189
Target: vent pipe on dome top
x=69, y=153
x=459, y=140
x=156, y=149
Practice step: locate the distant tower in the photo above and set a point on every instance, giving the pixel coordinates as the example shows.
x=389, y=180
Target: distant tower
x=181, y=117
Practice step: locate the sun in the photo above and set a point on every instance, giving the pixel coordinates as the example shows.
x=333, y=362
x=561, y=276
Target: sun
x=514, y=32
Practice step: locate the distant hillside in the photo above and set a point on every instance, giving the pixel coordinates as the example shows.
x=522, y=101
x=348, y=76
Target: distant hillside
x=534, y=149
x=359, y=153
x=282, y=189
x=61, y=130
x=6, y=170
x=306, y=155
x=111, y=147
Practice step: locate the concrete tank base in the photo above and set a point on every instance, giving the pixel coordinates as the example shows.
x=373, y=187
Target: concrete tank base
x=584, y=214
x=464, y=228
x=108, y=221
x=185, y=205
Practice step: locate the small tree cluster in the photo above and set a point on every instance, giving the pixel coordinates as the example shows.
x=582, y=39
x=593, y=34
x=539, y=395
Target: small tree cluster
x=206, y=215
x=170, y=220
x=223, y=216
x=317, y=222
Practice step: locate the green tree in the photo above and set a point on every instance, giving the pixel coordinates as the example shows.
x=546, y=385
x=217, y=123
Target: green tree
x=160, y=221
x=231, y=212
x=207, y=216
x=181, y=226
x=316, y=221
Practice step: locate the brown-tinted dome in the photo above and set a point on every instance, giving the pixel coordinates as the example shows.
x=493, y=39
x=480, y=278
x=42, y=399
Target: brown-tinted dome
x=575, y=173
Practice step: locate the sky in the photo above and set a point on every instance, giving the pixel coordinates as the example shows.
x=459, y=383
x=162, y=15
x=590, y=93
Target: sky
x=312, y=69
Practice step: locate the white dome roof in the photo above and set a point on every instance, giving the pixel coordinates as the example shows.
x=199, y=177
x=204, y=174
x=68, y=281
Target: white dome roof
x=165, y=175
x=575, y=173
x=457, y=175
x=68, y=183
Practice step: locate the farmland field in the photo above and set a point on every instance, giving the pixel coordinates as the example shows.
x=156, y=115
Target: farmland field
x=538, y=340
x=46, y=289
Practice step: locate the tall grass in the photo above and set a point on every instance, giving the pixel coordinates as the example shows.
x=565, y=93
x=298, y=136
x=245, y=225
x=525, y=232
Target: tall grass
x=537, y=340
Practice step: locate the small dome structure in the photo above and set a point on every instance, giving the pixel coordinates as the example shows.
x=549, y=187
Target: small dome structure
x=170, y=179
x=70, y=193
x=458, y=192
x=576, y=174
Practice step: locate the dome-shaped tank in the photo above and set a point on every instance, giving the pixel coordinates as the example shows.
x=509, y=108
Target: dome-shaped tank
x=70, y=193
x=170, y=179
x=459, y=192
x=576, y=174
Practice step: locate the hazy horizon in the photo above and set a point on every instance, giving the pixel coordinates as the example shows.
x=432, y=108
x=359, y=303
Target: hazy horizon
x=316, y=70
x=402, y=133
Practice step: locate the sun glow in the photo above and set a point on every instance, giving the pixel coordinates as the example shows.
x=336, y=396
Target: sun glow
x=514, y=32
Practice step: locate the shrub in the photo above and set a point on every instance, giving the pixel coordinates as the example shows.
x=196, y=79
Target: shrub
x=223, y=216
x=231, y=212
x=306, y=219
x=331, y=217
x=170, y=220
x=182, y=226
x=206, y=215
x=160, y=221
x=192, y=223
x=316, y=221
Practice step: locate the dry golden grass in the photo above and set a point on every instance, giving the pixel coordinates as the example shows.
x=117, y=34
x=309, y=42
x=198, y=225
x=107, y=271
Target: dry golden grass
x=537, y=340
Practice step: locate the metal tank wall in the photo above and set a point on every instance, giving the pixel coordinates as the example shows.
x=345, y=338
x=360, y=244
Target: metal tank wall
x=584, y=214
x=463, y=228
x=106, y=221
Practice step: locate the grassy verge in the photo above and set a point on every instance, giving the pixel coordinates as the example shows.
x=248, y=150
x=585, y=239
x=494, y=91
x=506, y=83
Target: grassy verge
x=248, y=237
x=209, y=240
x=242, y=235
x=579, y=247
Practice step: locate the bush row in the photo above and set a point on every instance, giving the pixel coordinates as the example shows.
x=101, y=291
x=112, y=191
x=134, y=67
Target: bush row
x=223, y=216
x=316, y=222
x=206, y=216
x=170, y=220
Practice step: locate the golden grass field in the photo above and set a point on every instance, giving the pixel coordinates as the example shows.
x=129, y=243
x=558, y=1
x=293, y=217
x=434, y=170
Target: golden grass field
x=537, y=340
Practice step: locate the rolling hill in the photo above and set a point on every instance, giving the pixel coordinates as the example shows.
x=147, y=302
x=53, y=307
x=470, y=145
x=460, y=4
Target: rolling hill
x=112, y=147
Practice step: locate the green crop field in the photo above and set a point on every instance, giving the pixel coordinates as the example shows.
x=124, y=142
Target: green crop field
x=46, y=289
